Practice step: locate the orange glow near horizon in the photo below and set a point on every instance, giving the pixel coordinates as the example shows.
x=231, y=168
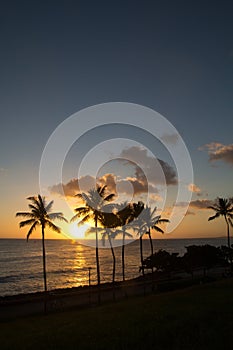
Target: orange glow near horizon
x=76, y=231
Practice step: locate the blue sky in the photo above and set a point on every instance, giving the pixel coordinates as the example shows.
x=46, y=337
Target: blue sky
x=58, y=57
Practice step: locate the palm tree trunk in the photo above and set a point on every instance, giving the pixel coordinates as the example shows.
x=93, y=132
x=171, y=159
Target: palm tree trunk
x=97, y=260
x=44, y=271
x=141, y=255
x=143, y=272
x=228, y=233
x=151, y=248
x=151, y=243
x=229, y=242
x=113, y=266
x=123, y=256
x=152, y=252
x=113, y=258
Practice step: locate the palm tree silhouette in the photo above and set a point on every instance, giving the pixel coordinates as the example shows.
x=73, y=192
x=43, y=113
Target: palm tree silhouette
x=111, y=233
x=126, y=215
x=223, y=207
x=146, y=222
x=40, y=215
x=151, y=222
x=95, y=204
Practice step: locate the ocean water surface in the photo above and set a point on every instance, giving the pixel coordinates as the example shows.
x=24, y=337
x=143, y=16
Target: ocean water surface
x=68, y=262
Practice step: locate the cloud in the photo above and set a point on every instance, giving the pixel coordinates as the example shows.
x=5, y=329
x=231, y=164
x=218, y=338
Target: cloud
x=147, y=173
x=151, y=168
x=197, y=204
x=139, y=186
x=195, y=189
x=110, y=181
x=189, y=212
x=127, y=186
x=170, y=138
x=201, y=203
x=74, y=186
x=218, y=151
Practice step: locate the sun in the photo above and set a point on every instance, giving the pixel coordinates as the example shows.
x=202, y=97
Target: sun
x=76, y=231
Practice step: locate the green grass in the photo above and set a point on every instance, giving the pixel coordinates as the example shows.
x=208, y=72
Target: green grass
x=200, y=317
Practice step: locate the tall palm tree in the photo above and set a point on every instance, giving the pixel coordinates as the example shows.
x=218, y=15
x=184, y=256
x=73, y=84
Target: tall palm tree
x=110, y=233
x=109, y=223
x=40, y=215
x=125, y=215
x=95, y=201
x=223, y=207
x=151, y=223
x=147, y=221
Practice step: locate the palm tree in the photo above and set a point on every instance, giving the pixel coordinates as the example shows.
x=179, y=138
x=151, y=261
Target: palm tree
x=40, y=215
x=146, y=222
x=223, y=207
x=151, y=222
x=125, y=215
x=111, y=233
x=95, y=203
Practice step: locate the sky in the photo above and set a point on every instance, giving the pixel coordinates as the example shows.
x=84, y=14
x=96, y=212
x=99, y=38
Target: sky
x=175, y=57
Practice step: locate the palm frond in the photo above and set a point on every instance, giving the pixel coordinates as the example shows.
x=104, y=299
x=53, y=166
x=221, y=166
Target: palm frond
x=83, y=196
x=27, y=222
x=31, y=206
x=57, y=216
x=214, y=208
x=84, y=220
x=214, y=217
x=163, y=220
x=33, y=227
x=158, y=229
x=33, y=199
x=79, y=215
x=101, y=190
x=230, y=221
x=82, y=210
x=109, y=198
x=92, y=230
x=25, y=214
x=127, y=234
x=41, y=200
x=48, y=207
x=51, y=225
x=153, y=211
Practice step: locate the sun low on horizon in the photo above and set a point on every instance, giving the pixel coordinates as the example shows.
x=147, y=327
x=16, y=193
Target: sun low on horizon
x=76, y=231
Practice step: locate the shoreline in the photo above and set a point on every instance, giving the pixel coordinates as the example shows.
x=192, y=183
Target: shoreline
x=22, y=305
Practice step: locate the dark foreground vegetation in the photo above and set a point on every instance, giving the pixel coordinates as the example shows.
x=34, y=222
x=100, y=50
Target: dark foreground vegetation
x=199, y=317
x=197, y=257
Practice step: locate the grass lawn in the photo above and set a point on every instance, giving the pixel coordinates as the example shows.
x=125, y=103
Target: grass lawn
x=200, y=317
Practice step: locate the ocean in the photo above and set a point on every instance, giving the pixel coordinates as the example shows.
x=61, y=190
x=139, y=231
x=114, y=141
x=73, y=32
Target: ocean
x=69, y=263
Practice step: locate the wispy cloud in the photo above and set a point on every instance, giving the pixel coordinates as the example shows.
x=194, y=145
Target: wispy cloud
x=197, y=204
x=218, y=151
x=194, y=189
x=170, y=138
